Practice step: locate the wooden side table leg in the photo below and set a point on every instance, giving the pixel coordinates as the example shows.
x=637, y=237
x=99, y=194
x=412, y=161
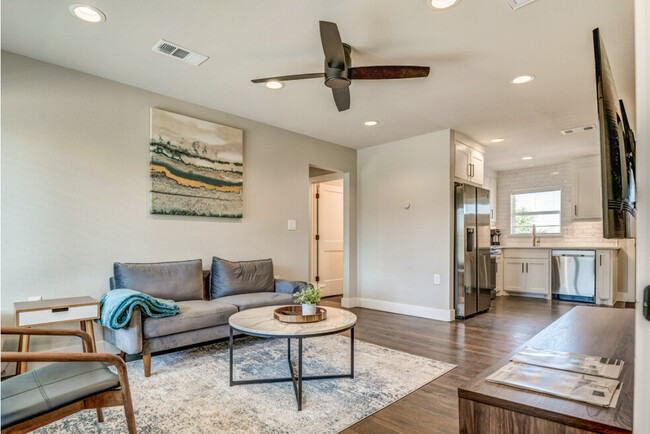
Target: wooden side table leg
x=91, y=332
x=21, y=367
x=82, y=326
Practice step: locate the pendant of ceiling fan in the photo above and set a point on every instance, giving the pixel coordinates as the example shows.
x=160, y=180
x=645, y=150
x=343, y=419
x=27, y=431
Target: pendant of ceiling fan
x=339, y=73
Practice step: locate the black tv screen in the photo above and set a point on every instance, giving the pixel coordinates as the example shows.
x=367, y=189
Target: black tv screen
x=616, y=152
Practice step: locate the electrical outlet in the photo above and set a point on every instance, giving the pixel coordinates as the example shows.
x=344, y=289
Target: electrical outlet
x=436, y=279
x=291, y=225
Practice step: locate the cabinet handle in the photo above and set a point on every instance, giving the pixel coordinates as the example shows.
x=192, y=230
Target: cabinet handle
x=492, y=214
x=601, y=260
x=522, y=267
x=469, y=170
x=472, y=170
x=526, y=267
x=575, y=210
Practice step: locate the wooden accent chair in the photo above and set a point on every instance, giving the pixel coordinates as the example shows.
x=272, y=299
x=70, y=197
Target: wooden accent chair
x=75, y=382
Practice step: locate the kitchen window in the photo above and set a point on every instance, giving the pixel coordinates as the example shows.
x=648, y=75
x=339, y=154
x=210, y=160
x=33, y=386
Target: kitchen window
x=541, y=208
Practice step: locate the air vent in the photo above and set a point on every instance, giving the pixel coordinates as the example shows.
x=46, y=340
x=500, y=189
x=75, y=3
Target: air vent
x=516, y=4
x=578, y=129
x=172, y=50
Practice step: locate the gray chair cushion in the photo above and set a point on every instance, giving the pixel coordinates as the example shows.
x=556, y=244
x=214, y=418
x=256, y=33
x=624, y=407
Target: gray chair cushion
x=178, y=281
x=230, y=278
x=52, y=386
x=196, y=314
x=257, y=299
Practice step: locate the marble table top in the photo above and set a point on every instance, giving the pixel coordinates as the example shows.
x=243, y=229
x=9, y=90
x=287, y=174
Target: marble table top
x=260, y=321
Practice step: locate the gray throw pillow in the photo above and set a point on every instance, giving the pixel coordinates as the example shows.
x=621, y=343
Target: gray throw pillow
x=230, y=278
x=178, y=281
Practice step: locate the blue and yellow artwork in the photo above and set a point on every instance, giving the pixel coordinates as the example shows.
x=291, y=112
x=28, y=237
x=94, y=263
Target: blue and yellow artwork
x=196, y=167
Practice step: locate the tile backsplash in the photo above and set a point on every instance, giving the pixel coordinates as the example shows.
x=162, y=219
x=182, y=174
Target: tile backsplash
x=574, y=233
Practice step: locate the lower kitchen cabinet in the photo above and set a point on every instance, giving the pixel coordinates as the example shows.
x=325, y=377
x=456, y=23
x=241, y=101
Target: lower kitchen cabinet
x=527, y=271
x=606, y=276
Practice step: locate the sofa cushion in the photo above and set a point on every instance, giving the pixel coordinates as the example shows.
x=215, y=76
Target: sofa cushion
x=230, y=278
x=195, y=314
x=51, y=386
x=177, y=281
x=257, y=299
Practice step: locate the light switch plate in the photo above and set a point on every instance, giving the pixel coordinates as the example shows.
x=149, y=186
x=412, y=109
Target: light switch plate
x=436, y=279
x=291, y=225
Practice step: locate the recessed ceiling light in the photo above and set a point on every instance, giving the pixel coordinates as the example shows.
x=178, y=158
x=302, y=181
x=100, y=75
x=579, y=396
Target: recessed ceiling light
x=526, y=158
x=521, y=79
x=87, y=13
x=497, y=140
x=442, y=4
x=371, y=123
x=275, y=85
x=555, y=173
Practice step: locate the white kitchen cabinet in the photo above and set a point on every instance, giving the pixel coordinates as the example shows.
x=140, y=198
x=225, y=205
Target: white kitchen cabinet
x=527, y=271
x=463, y=161
x=514, y=278
x=606, y=276
x=586, y=197
x=470, y=164
x=491, y=184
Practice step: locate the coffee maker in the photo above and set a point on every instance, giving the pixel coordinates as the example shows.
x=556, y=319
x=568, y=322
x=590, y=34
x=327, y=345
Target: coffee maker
x=495, y=234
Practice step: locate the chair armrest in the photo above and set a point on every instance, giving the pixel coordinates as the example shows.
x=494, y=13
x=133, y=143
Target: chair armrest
x=129, y=338
x=85, y=337
x=73, y=357
x=289, y=286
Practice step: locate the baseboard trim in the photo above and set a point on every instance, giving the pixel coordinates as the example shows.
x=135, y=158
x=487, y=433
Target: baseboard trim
x=447, y=315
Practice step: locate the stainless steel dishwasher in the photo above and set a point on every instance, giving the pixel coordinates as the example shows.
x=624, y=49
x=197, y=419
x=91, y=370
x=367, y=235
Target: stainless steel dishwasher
x=573, y=275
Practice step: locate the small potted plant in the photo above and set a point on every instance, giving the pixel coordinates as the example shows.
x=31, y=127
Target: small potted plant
x=308, y=297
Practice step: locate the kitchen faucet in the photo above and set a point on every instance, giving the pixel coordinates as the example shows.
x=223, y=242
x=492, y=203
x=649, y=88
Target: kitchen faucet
x=535, y=238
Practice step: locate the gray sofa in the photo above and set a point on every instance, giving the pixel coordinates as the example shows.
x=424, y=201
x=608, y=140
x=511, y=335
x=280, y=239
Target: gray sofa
x=206, y=299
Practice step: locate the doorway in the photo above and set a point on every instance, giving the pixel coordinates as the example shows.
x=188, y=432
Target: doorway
x=327, y=238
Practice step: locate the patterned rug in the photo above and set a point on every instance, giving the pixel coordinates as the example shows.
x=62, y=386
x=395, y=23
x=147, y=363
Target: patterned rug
x=188, y=390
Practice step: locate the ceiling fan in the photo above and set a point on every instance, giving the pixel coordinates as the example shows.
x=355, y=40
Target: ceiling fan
x=339, y=72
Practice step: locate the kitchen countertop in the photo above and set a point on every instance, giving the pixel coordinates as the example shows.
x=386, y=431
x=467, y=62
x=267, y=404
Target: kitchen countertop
x=560, y=247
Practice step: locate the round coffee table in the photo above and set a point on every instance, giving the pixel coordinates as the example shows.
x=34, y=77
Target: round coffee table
x=261, y=323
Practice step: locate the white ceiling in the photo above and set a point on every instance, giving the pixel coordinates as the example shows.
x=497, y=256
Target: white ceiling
x=474, y=50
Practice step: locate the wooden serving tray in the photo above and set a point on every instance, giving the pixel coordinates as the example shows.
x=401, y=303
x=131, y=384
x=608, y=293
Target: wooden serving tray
x=321, y=314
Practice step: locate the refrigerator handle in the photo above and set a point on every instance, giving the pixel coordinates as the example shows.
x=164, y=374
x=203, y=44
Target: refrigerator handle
x=470, y=239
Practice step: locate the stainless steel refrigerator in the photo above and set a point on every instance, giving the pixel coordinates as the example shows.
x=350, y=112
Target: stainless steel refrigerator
x=475, y=266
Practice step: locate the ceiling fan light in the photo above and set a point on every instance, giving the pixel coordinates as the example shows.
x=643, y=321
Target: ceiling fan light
x=275, y=85
x=442, y=4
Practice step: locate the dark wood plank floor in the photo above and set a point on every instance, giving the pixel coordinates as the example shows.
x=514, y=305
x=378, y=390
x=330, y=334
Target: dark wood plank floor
x=473, y=344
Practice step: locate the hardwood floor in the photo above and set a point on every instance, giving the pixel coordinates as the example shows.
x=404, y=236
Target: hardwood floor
x=472, y=344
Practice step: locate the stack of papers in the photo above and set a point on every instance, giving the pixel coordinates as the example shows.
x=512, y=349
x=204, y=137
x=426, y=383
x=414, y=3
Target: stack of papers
x=589, y=379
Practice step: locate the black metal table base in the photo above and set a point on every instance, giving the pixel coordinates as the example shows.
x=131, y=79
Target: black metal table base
x=295, y=366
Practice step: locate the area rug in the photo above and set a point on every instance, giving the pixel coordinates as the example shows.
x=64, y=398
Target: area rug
x=188, y=390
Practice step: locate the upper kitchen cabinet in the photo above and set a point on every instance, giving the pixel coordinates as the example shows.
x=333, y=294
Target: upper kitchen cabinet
x=470, y=163
x=586, y=198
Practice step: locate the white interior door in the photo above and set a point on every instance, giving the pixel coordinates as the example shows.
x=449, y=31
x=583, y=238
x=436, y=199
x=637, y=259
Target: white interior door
x=330, y=238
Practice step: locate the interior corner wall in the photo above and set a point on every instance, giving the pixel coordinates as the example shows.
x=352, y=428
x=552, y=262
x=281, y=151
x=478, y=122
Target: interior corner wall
x=399, y=249
x=75, y=187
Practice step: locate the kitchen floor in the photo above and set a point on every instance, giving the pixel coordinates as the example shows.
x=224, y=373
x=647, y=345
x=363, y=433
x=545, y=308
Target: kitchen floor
x=473, y=344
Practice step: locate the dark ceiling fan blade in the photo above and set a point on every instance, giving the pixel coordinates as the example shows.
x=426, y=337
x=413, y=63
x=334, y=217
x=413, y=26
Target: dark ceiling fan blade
x=290, y=77
x=388, y=72
x=342, y=98
x=332, y=45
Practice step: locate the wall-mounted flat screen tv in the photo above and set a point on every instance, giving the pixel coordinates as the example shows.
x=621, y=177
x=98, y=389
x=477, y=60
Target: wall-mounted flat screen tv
x=617, y=148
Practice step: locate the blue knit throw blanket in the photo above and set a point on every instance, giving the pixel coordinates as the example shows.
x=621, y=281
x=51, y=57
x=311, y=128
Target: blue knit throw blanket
x=117, y=307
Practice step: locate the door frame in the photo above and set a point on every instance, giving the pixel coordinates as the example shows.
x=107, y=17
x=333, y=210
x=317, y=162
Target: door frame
x=346, y=225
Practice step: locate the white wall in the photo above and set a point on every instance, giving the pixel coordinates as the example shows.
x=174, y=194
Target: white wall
x=642, y=337
x=75, y=183
x=400, y=250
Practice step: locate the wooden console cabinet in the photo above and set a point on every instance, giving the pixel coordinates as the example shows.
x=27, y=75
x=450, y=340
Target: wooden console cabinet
x=495, y=409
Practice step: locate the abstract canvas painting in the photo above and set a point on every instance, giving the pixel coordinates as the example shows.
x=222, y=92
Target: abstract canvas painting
x=196, y=167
